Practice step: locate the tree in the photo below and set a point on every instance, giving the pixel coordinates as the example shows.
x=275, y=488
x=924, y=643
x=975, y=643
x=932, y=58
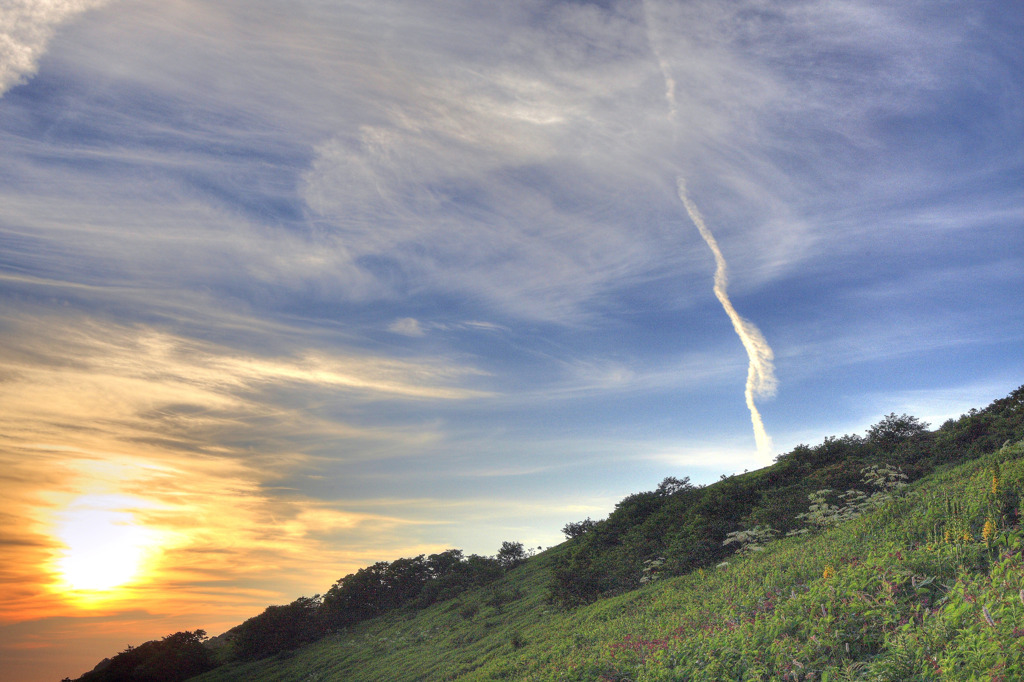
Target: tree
x=403, y=580
x=279, y=628
x=444, y=564
x=174, y=658
x=895, y=429
x=357, y=596
x=578, y=528
x=672, y=485
x=511, y=555
x=480, y=570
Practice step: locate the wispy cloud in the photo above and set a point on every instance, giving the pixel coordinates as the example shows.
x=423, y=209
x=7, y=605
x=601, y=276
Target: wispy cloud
x=145, y=382
x=505, y=166
x=190, y=441
x=406, y=326
x=26, y=28
x=319, y=259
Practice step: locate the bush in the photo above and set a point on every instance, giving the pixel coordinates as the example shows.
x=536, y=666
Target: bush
x=578, y=528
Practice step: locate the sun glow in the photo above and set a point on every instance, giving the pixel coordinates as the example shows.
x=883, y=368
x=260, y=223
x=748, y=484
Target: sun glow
x=105, y=548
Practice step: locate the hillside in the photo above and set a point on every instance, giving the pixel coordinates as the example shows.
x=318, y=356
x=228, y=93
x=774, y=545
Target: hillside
x=916, y=589
x=883, y=581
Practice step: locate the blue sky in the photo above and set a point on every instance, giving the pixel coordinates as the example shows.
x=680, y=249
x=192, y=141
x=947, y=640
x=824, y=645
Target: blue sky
x=347, y=281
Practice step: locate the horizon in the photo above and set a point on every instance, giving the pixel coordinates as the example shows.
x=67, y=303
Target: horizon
x=289, y=289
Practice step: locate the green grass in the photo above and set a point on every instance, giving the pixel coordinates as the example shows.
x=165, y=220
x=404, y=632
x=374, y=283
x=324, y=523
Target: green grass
x=889, y=596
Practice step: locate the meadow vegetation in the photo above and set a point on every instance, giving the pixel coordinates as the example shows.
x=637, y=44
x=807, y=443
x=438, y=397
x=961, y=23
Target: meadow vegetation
x=898, y=555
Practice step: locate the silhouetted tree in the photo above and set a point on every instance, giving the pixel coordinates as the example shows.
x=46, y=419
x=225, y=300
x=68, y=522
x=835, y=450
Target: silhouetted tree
x=279, y=628
x=174, y=658
x=444, y=564
x=578, y=528
x=672, y=485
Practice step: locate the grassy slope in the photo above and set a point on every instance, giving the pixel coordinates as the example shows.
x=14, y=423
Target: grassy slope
x=896, y=602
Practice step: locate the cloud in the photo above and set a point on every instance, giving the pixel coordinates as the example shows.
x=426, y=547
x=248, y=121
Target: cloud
x=140, y=376
x=527, y=168
x=26, y=28
x=221, y=217
x=192, y=441
x=406, y=326
x=215, y=535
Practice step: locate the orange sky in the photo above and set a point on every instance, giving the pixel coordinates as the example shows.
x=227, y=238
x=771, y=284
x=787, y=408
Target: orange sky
x=121, y=524
x=290, y=288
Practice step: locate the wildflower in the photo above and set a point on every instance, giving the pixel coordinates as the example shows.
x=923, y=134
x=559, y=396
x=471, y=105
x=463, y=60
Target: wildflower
x=989, y=530
x=995, y=479
x=828, y=572
x=947, y=537
x=967, y=536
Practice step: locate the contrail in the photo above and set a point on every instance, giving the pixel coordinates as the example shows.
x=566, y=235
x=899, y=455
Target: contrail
x=666, y=72
x=761, y=371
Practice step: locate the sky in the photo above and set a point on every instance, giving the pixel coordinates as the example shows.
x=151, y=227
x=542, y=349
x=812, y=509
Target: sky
x=288, y=288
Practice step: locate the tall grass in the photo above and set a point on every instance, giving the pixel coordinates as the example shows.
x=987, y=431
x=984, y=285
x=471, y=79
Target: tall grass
x=913, y=590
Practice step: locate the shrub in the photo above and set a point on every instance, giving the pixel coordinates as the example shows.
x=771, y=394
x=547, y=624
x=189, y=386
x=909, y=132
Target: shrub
x=751, y=540
x=578, y=528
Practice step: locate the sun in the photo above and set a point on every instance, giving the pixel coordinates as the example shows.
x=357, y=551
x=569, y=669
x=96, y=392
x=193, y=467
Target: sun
x=104, y=548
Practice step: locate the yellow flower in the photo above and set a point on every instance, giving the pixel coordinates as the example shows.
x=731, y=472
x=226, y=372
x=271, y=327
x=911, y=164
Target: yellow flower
x=968, y=537
x=947, y=537
x=828, y=572
x=995, y=484
x=989, y=530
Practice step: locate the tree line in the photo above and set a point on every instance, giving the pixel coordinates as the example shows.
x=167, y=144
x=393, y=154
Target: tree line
x=682, y=526
x=374, y=590
x=175, y=657
x=674, y=529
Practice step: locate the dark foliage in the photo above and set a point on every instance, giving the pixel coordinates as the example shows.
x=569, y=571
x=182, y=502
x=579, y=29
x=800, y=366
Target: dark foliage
x=687, y=525
x=683, y=524
x=575, y=529
x=980, y=431
x=418, y=581
x=279, y=628
x=404, y=583
x=893, y=430
x=413, y=582
x=511, y=555
x=176, y=657
x=672, y=485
